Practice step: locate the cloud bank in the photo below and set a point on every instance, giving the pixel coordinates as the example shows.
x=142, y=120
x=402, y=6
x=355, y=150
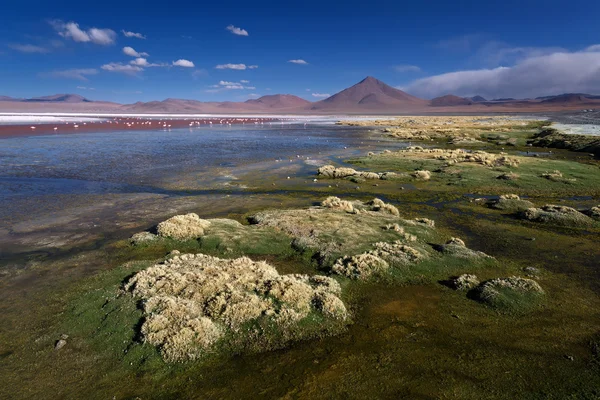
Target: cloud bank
x=536, y=75
x=321, y=95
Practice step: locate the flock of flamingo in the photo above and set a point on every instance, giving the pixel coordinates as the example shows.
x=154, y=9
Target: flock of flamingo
x=166, y=123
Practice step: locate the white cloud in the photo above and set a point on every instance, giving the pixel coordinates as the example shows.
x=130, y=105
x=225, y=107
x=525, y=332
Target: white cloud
x=227, y=85
x=237, y=31
x=254, y=95
x=239, y=67
x=244, y=81
x=183, y=63
x=406, y=68
x=29, y=48
x=299, y=61
x=133, y=34
x=72, y=31
x=102, y=36
x=539, y=75
x=122, y=68
x=308, y=90
x=85, y=88
x=130, y=51
x=76, y=73
x=140, y=62
x=321, y=95
x=252, y=66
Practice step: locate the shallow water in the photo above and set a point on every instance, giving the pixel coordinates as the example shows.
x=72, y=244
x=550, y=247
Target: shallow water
x=81, y=184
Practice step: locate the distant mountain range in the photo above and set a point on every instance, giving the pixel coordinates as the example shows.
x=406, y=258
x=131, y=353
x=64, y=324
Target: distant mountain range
x=369, y=96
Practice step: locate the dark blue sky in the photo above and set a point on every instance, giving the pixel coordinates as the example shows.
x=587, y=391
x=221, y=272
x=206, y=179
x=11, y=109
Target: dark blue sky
x=495, y=48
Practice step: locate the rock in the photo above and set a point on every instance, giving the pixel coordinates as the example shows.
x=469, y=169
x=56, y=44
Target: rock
x=60, y=344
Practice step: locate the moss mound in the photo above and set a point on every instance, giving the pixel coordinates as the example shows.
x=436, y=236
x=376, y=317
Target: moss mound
x=183, y=227
x=510, y=294
x=195, y=303
x=557, y=215
x=510, y=202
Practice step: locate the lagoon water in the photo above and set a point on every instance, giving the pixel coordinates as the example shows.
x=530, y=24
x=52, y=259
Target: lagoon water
x=82, y=183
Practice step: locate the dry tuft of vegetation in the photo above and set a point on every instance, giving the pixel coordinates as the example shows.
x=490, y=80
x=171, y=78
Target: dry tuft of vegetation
x=329, y=171
x=457, y=156
x=421, y=175
x=456, y=128
x=183, y=227
x=192, y=302
x=465, y=282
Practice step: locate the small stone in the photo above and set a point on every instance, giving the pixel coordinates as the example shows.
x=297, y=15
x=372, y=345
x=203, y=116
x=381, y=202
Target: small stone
x=60, y=344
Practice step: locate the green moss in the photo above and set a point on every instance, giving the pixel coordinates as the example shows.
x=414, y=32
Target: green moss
x=579, y=178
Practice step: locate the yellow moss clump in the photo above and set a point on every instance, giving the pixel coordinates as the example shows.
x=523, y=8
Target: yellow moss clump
x=560, y=215
x=447, y=127
x=422, y=175
x=380, y=205
x=361, y=266
x=183, y=227
x=458, y=156
x=192, y=301
x=377, y=261
x=332, y=172
x=336, y=202
x=329, y=171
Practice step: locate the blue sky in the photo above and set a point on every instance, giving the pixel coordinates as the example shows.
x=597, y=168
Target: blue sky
x=494, y=48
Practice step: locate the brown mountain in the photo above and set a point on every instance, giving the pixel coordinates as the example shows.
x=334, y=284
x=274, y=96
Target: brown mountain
x=279, y=101
x=369, y=94
x=568, y=98
x=450, y=100
x=478, y=99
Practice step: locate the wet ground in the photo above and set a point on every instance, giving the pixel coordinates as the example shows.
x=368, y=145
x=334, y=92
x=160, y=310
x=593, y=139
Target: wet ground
x=65, y=201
